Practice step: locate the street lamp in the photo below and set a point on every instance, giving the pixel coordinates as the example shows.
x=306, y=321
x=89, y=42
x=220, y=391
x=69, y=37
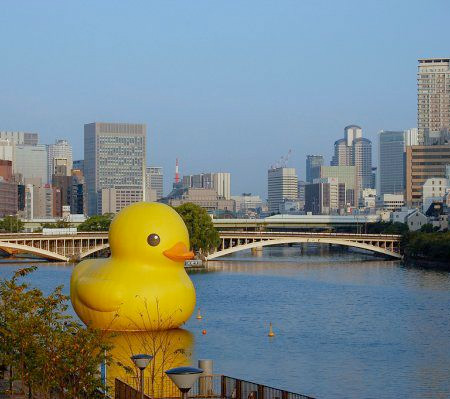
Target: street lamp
x=141, y=361
x=184, y=378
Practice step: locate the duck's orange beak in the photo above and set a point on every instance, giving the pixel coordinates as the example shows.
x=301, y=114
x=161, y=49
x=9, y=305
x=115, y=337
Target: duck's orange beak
x=179, y=252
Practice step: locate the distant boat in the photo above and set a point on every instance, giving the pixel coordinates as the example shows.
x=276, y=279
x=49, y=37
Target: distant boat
x=193, y=263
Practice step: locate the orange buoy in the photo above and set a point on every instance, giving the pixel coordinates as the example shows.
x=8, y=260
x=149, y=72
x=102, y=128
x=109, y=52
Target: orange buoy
x=199, y=316
x=271, y=333
x=204, y=332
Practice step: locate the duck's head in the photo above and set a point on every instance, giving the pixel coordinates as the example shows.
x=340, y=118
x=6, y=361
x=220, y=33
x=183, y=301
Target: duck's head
x=152, y=232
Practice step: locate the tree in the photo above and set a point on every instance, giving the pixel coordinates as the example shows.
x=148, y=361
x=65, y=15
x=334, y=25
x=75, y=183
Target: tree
x=432, y=246
x=49, y=351
x=97, y=223
x=60, y=224
x=388, y=228
x=396, y=228
x=202, y=233
x=11, y=224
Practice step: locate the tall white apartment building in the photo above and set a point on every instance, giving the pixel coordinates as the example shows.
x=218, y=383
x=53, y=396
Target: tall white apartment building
x=282, y=185
x=60, y=150
x=114, y=156
x=433, y=98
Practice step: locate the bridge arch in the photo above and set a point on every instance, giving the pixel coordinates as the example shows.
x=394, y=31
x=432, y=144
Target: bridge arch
x=299, y=240
x=10, y=247
x=94, y=250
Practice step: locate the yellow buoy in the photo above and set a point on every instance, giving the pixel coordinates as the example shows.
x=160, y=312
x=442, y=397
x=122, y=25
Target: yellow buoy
x=199, y=316
x=271, y=333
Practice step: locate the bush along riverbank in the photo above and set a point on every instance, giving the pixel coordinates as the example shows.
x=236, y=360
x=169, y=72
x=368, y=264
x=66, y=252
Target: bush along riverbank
x=427, y=249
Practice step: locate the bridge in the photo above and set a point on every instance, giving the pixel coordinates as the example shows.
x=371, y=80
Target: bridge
x=299, y=222
x=384, y=244
x=83, y=244
x=64, y=248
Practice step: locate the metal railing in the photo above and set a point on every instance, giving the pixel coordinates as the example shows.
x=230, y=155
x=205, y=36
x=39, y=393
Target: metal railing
x=233, y=388
x=210, y=387
x=124, y=391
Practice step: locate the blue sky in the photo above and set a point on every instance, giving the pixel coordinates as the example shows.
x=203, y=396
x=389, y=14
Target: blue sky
x=222, y=85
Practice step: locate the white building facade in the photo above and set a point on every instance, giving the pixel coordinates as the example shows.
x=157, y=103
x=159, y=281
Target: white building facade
x=434, y=190
x=60, y=150
x=282, y=184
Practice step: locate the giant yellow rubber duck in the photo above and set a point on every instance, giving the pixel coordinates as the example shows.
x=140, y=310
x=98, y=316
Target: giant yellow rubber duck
x=143, y=285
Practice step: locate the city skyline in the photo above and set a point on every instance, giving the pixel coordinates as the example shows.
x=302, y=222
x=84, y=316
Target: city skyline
x=291, y=78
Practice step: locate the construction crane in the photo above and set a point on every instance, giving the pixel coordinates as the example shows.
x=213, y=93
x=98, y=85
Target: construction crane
x=282, y=162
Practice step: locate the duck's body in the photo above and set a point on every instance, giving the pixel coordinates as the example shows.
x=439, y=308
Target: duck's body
x=143, y=285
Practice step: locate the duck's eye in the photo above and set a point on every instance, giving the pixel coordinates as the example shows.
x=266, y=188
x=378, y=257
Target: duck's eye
x=153, y=240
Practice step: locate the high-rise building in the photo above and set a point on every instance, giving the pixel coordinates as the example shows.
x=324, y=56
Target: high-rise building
x=222, y=184
x=313, y=164
x=22, y=138
x=46, y=201
x=6, y=170
x=391, y=161
x=205, y=197
x=301, y=190
x=247, y=202
x=112, y=200
x=343, y=148
x=412, y=136
x=8, y=190
x=282, y=185
x=355, y=150
x=8, y=198
x=72, y=189
x=31, y=162
x=325, y=196
x=114, y=156
x=218, y=181
x=79, y=165
x=362, y=159
x=60, y=150
x=347, y=175
x=154, y=180
x=7, y=150
x=422, y=163
x=433, y=99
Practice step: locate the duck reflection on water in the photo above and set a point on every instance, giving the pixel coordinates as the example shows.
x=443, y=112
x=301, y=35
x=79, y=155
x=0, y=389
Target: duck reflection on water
x=170, y=348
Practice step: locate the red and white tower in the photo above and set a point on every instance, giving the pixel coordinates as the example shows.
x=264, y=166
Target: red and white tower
x=177, y=175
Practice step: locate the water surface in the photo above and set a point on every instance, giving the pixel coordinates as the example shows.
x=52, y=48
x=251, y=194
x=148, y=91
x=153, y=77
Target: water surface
x=347, y=325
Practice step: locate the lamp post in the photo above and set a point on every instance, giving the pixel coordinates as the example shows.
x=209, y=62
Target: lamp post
x=184, y=378
x=141, y=361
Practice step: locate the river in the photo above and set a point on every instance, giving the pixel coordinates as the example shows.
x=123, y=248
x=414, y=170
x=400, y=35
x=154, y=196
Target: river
x=346, y=325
